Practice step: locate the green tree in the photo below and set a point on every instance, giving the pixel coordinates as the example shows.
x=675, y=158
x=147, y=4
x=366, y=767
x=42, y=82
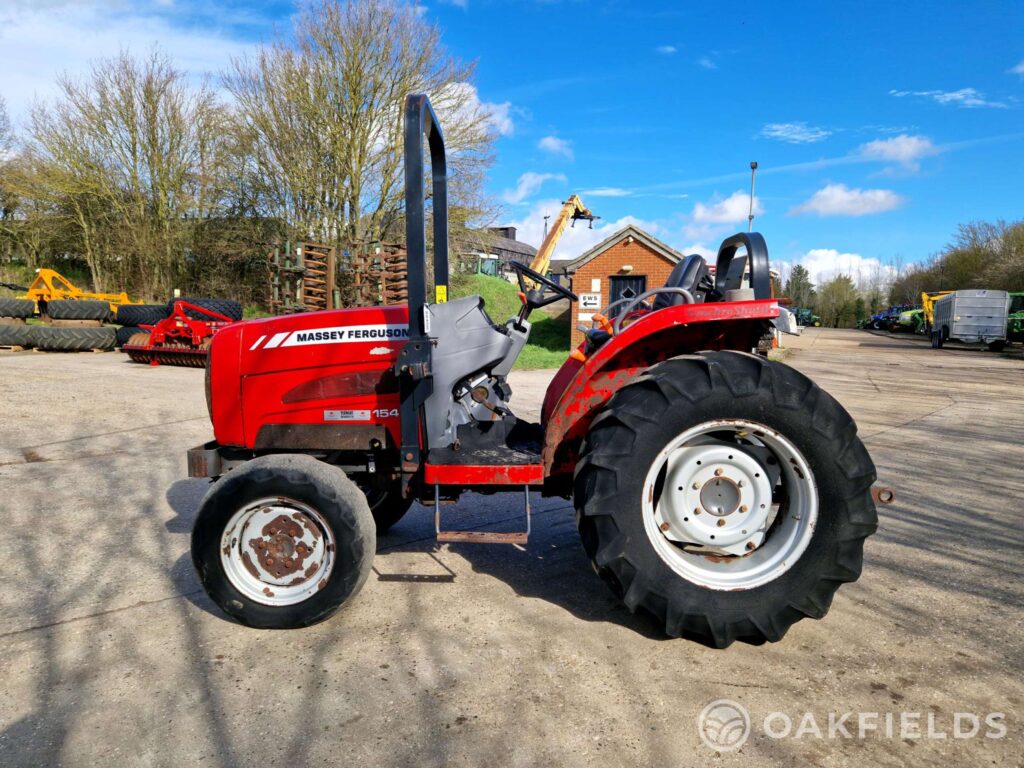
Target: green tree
x=799, y=287
x=321, y=119
x=836, y=302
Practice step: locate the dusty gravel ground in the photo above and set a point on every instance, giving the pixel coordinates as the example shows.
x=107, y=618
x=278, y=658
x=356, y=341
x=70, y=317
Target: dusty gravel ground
x=465, y=654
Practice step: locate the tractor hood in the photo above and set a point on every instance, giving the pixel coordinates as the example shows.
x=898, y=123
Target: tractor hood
x=304, y=369
x=322, y=338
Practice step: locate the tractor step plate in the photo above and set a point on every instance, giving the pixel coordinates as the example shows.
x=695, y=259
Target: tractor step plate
x=479, y=537
x=482, y=537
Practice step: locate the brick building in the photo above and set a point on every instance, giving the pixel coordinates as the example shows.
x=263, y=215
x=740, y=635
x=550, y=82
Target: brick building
x=624, y=265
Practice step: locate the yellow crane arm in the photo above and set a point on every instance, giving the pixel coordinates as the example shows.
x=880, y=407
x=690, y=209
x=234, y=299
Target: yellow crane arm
x=573, y=210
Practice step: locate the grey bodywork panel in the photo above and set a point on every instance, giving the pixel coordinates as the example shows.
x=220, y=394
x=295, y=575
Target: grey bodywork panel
x=466, y=345
x=973, y=316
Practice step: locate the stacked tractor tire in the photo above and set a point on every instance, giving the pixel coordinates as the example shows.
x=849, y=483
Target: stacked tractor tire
x=84, y=325
x=70, y=326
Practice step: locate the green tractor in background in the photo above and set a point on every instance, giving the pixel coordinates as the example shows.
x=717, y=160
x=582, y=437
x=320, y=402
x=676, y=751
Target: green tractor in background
x=1015, y=320
x=806, y=317
x=910, y=321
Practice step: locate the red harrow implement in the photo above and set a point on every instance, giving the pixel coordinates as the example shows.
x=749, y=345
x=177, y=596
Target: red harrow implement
x=180, y=339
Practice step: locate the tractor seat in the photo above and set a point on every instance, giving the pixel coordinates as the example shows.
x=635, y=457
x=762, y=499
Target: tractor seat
x=690, y=274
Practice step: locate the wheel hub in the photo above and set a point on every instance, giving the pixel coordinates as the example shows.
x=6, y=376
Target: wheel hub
x=275, y=551
x=717, y=496
x=708, y=504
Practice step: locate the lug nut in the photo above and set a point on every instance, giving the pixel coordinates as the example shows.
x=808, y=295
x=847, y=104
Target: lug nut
x=721, y=522
x=739, y=483
x=664, y=526
x=743, y=508
x=751, y=546
x=718, y=472
x=696, y=485
x=696, y=510
x=270, y=561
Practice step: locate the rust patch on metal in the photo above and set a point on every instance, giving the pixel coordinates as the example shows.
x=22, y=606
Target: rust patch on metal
x=249, y=566
x=322, y=584
x=267, y=592
x=882, y=495
x=281, y=551
x=308, y=524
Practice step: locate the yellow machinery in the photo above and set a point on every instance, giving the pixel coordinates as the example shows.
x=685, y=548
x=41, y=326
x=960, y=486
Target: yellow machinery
x=51, y=285
x=928, y=300
x=573, y=210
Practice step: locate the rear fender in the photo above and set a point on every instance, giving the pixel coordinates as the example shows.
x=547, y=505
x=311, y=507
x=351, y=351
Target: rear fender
x=580, y=389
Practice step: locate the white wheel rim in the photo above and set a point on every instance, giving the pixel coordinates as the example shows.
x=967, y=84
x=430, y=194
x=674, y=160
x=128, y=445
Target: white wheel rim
x=730, y=504
x=277, y=551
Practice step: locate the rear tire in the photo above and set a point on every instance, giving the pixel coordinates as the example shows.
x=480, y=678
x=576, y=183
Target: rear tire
x=78, y=309
x=72, y=339
x=141, y=314
x=125, y=332
x=810, y=463
x=387, y=505
x=16, y=335
x=263, y=527
x=227, y=307
x=22, y=308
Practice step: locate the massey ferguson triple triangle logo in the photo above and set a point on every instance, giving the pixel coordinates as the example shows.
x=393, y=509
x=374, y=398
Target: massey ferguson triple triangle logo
x=344, y=334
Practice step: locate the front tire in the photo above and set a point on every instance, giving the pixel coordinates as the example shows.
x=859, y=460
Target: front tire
x=283, y=541
x=725, y=495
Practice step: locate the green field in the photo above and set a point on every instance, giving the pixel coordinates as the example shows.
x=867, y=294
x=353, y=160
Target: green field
x=549, y=337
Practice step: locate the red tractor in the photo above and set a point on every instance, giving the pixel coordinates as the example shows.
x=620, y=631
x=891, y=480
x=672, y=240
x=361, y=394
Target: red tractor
x=725, y=494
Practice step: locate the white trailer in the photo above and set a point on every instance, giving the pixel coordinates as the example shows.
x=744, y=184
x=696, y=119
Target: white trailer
x=973, y=317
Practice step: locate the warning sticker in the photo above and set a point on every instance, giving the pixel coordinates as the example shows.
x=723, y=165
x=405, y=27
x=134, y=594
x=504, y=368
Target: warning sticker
x=346, y=415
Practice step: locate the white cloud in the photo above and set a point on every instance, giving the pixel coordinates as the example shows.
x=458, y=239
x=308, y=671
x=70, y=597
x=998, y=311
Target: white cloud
x=732, y=209
x=712, y=220
x=825, y=263
x=965, y=97
x=529, y=183
x=903, y=149
x=575, y=240
x=795, y=133
x=556, y=146
x=497, y=116
x=39, y=41
x=1017, y=70
x=667, y=50
x=706, y=62
x=841, y=200
x=607, y=192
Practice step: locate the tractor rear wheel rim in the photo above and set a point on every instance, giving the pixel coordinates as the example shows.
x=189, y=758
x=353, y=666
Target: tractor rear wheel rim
x=730, y=504
x=277, y=551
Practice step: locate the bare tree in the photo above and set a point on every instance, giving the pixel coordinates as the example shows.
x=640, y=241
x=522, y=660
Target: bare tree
x=321, y=118
x=129, y=156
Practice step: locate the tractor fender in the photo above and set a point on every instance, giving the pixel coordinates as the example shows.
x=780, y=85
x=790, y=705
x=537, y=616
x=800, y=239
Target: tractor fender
x=581, y=388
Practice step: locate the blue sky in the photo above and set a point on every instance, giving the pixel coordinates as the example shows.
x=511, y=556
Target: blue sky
x=877, y=126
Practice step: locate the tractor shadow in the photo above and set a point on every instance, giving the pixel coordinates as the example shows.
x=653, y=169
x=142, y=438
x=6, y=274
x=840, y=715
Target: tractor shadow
x=552, y=567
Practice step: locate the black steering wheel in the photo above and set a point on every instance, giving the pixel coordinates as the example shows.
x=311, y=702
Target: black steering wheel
x=535, y=297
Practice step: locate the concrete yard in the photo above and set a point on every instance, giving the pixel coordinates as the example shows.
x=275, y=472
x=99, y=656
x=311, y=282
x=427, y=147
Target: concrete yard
x=111, y=654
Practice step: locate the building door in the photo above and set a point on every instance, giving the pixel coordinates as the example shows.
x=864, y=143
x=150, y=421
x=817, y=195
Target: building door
x=623, y=287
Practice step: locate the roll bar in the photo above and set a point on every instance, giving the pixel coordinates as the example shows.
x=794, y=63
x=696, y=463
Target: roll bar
x=421, y=121
x=729, y=271
x=414, y=365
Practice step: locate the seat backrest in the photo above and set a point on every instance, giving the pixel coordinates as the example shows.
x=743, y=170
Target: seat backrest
x=690, y=274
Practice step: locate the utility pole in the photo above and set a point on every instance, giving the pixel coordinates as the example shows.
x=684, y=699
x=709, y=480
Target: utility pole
x=750, y=215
